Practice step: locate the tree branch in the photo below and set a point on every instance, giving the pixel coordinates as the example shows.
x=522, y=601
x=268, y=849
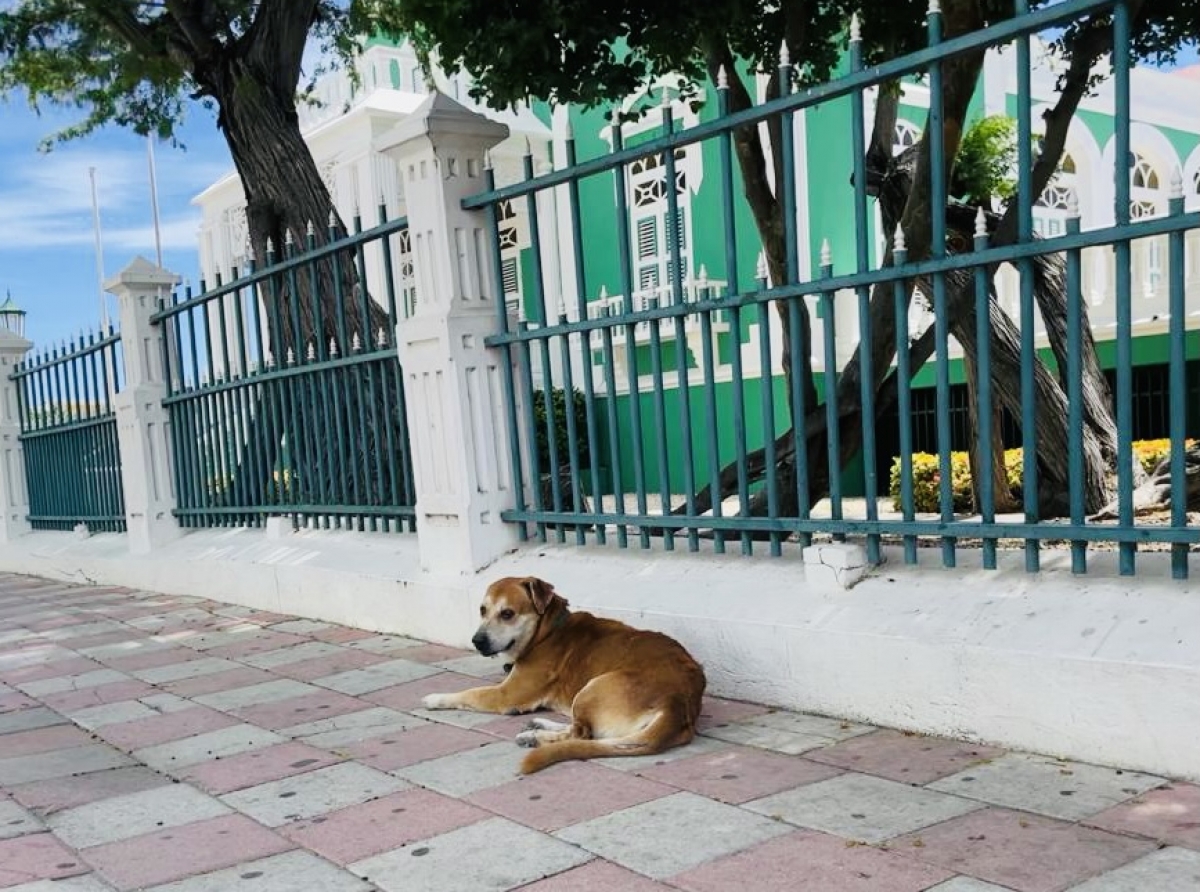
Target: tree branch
x=274, y=43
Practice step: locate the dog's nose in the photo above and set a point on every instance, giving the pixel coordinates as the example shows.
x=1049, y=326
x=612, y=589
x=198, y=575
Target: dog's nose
x=480, y=640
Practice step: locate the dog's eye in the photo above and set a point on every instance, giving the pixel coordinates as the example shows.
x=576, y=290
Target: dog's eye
x=507, y=614
x=482, y=610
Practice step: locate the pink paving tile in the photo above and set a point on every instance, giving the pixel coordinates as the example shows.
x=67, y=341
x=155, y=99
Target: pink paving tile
x=165, y=728
x=596, y=876
x=1170, y=814
x=259, y=642
x=71, y=701
x=408, y=695
x=15, y=700
x=342, y=634
x=1021, y=851
x=42, y=740
x=152, y=659
x=718, y=711
x=52, y=669
x=361, y=831
x=307, y=670
x=907, y=758
x=38, y=856
x=50, y=796
x=117, y=637
x=258, y=767
x=431, y=653
x=567, y=794
x=506, y=727
x=183, y=851
x=811, y=862
x=241, y=677
x=739, y=774
x=390, y=751
x=300, y=710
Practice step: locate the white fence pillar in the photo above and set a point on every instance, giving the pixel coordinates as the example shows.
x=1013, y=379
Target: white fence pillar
x=453, y=383
x=142, y=425
x=14, y=492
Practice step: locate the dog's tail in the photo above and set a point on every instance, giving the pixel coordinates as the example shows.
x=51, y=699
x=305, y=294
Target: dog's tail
x=672, y=727
x=578, y=748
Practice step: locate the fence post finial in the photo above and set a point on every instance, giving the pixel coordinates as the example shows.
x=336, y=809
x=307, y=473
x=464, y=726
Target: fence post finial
x=1072, y=204
x=761, y=271
x=898, y=243
x=722, y=78
x=826, y=253
x=785, y=57
x=980, y=223
x=855, y=28
x=1176, y=188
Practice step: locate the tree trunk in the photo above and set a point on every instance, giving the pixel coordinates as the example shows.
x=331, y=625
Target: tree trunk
x=1002, y=496
x=285, y=199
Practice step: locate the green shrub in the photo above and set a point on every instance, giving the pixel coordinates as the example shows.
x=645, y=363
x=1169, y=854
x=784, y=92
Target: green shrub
x=926, y=476
x=561, y=439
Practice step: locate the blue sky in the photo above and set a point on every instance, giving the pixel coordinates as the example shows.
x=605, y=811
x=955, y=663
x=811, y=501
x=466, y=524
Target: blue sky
x=47, y=251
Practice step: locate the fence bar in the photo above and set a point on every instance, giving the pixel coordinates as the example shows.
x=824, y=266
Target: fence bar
x=986, y=406
x=1177, y=372
x=1025, y=198
x=1075, y=392
x=1122, y=159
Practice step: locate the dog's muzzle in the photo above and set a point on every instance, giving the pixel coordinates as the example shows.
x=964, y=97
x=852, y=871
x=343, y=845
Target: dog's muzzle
x=484, y=644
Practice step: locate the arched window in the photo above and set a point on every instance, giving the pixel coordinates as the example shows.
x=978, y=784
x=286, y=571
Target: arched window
x=1052, y=208
x=1145, y=194
x=906, y=135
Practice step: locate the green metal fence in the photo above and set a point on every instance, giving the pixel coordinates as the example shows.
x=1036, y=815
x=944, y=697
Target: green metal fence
x=69, y=434
x=650, y=413
x=284, y=391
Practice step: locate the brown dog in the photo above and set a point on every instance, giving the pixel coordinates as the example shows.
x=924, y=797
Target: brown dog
x=629, y=692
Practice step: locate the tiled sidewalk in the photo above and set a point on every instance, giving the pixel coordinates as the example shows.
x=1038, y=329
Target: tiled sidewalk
x=154, y=742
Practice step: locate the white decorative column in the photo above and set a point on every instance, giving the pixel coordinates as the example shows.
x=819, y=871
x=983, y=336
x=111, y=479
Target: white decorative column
x=142, y=425
x=14, y=493
x=454, y=385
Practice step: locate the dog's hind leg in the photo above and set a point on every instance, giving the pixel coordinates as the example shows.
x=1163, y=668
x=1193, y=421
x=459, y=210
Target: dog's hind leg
x=541, y=730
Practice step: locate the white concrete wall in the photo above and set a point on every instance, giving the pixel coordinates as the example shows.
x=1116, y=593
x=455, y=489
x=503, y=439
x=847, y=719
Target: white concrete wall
x=1097, y=668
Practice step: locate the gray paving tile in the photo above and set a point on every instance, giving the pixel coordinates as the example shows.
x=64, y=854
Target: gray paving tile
x=87, y=883
x=165, y=703
x=313, y=793
x=211, y=745
x=84, y=630
x=28, y=719
x=787, y=732
x=17, y=821
x=92, y=679
x=343, y=729
x=967, y=884
x=299, y=626
x=476, y=665
x=479, y=857
x=1166, y=870
x=60, y=763
x=112, y=713
x=184, y=669
x=297, y=871
x=309, y=650
x=469, y=771
x=384, y=644
x=123, y=817
x=459, y=718
x=666, y=836
x=1060, y=789
x=862, y=807
x=376, y=677
x=124, y=648
x=256, y=694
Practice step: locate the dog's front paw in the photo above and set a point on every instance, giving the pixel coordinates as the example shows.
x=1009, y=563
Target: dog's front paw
x=527, y=738
x=438, y=701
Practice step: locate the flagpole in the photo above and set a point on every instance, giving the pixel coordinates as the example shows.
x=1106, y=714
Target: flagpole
x=154, y=201
x=99, y=253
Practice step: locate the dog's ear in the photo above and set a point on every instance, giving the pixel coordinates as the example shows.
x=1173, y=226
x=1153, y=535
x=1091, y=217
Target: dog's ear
x=540, y=593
